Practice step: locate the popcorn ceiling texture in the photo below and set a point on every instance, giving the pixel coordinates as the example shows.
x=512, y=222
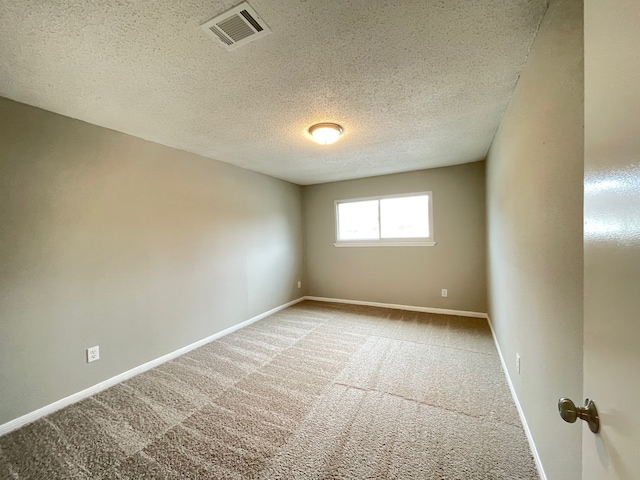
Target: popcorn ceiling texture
x=416, y=84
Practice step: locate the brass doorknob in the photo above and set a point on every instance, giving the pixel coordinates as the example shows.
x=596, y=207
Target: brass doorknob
x=570, y=413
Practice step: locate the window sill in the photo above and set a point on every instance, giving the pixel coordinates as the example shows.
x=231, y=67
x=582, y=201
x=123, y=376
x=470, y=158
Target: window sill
x=385, y=244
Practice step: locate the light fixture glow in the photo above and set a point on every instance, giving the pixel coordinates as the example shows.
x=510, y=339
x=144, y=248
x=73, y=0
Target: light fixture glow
x=325, y=133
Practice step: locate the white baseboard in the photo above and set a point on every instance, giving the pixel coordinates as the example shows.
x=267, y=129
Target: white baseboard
x=76, y=397
x=523, y=419
x=444, y=311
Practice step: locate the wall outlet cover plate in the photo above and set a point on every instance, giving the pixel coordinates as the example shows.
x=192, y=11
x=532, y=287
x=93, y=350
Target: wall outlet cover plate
x=93, y=354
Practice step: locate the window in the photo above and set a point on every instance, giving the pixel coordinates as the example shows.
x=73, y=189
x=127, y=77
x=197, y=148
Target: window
x=384, y=221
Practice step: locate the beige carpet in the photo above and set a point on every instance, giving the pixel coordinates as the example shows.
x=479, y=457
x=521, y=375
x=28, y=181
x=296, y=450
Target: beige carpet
x=316, y=391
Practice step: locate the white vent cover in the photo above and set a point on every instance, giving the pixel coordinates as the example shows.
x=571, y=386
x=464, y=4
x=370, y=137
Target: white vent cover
x=237, y=26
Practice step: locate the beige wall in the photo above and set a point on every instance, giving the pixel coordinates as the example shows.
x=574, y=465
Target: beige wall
x=403, y=275
x=109, y=240
x=534, y=210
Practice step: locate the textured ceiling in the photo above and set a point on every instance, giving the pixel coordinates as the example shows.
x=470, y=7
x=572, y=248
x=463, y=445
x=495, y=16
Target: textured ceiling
x=415, y=83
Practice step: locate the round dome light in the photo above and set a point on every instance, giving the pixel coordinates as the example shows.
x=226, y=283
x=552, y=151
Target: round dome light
x=325, y=133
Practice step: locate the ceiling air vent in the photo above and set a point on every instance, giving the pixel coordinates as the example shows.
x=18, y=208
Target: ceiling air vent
x=237, y=26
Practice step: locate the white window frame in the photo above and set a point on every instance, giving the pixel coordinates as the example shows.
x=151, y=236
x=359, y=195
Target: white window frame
x=386, y=242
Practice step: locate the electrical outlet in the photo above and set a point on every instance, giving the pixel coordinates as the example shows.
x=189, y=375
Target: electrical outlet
x=299, y=284
x=93, y=354
x=444, y=292
x=518, y=363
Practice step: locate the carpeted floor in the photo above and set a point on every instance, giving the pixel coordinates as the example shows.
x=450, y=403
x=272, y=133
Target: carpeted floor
x=316, y=391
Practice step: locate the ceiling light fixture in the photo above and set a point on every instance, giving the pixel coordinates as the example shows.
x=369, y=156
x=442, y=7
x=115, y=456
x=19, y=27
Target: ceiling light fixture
x=325, y=133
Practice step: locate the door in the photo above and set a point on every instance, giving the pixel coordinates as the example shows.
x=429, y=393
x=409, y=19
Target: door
x=612, y=238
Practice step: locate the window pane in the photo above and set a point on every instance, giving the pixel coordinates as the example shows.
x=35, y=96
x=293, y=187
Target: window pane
x=405, y=217
x=358, y=220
